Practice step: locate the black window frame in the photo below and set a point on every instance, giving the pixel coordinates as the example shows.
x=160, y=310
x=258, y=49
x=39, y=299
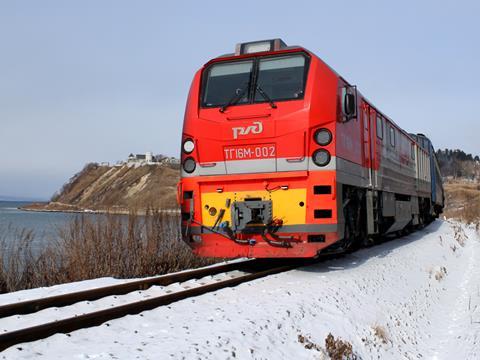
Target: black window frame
x=392, y=136
x=206, y=71
x=380, y=119
x=254, y=78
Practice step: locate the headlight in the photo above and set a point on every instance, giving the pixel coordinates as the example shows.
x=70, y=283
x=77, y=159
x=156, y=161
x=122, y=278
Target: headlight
x=189, y=165
x=321, y=157
x=188, y=146
x=322, y=137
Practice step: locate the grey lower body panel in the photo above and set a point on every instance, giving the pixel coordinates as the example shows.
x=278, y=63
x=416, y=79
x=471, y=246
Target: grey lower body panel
x=349, y=173
x=387, y=178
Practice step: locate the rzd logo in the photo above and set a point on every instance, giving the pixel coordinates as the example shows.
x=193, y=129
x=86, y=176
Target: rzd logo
x=256, y=128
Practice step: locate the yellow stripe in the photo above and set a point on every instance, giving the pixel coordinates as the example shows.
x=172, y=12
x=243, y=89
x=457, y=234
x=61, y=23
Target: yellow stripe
x=285, y=204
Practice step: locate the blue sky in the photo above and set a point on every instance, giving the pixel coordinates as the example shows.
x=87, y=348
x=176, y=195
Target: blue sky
x=84, y=81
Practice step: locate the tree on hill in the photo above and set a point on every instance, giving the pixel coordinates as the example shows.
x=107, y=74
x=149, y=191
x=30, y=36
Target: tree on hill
x=458, y=164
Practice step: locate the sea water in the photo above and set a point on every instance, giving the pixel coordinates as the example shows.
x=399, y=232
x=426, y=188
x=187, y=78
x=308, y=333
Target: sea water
x=44, y=226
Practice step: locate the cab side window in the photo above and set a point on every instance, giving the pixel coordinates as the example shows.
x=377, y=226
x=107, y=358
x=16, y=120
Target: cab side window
x=379, y=127
x=392, y=136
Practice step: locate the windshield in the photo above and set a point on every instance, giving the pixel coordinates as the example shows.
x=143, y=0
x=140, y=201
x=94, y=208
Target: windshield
x=280, y=78
x=226, y=81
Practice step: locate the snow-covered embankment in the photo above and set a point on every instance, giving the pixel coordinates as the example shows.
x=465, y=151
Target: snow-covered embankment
x=415, y=297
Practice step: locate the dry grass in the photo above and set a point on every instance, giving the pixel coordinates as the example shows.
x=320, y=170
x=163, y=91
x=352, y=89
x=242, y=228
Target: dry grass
x=380, y=333
x=459, y=235
x=440, y=274
x=462, y=201
x=307, y=343
x=339, y=349
x=90, y=247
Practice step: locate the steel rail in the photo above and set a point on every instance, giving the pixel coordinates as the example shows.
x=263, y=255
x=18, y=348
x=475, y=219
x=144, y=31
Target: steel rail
x=96, y=318
x=34, y=305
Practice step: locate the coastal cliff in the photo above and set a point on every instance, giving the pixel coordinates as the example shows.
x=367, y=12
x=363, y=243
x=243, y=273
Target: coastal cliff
x=117, y=189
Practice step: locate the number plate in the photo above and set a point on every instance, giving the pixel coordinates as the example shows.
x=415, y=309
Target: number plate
x=249, y=152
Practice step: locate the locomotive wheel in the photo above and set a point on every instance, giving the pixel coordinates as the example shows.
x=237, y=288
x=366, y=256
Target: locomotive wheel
x=368, y=241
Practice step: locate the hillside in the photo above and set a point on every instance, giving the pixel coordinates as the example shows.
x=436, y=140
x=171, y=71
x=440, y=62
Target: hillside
x=116, y=189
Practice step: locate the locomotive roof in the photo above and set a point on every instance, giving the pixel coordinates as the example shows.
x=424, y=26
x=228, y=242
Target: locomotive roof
x=231, y=55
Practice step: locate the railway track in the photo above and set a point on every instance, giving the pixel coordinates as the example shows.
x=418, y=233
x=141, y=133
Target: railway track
x=140, y=295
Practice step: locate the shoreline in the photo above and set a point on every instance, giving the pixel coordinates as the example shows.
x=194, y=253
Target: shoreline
x=91, y=211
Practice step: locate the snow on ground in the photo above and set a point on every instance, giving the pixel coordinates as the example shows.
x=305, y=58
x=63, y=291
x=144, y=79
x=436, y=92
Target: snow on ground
x=412, y=298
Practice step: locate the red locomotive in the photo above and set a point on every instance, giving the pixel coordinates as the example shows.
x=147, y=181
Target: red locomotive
x=282, y=157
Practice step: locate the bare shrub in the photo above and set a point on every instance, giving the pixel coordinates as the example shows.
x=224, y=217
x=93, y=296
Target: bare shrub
x=103, y=245
x=307, y=343
x=13, y=257
x=440, y=274
x=339, y=349
x=459, y=235
x=381, y=333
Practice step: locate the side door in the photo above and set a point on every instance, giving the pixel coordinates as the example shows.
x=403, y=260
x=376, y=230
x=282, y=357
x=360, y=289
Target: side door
x=378, y=122
x=376, y=133
x=368, y=144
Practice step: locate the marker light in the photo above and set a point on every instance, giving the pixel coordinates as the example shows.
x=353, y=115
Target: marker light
x=189, y=165
x=257, y=47
x=322, y=137
x=321, y=157
x=188, y=146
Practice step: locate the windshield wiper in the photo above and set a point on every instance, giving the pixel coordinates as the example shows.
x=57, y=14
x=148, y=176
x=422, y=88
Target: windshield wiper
x=266, y=97
x=235, y=98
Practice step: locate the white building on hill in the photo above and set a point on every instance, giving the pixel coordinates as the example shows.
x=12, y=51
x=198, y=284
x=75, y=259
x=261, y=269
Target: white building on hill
x=149, y=159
